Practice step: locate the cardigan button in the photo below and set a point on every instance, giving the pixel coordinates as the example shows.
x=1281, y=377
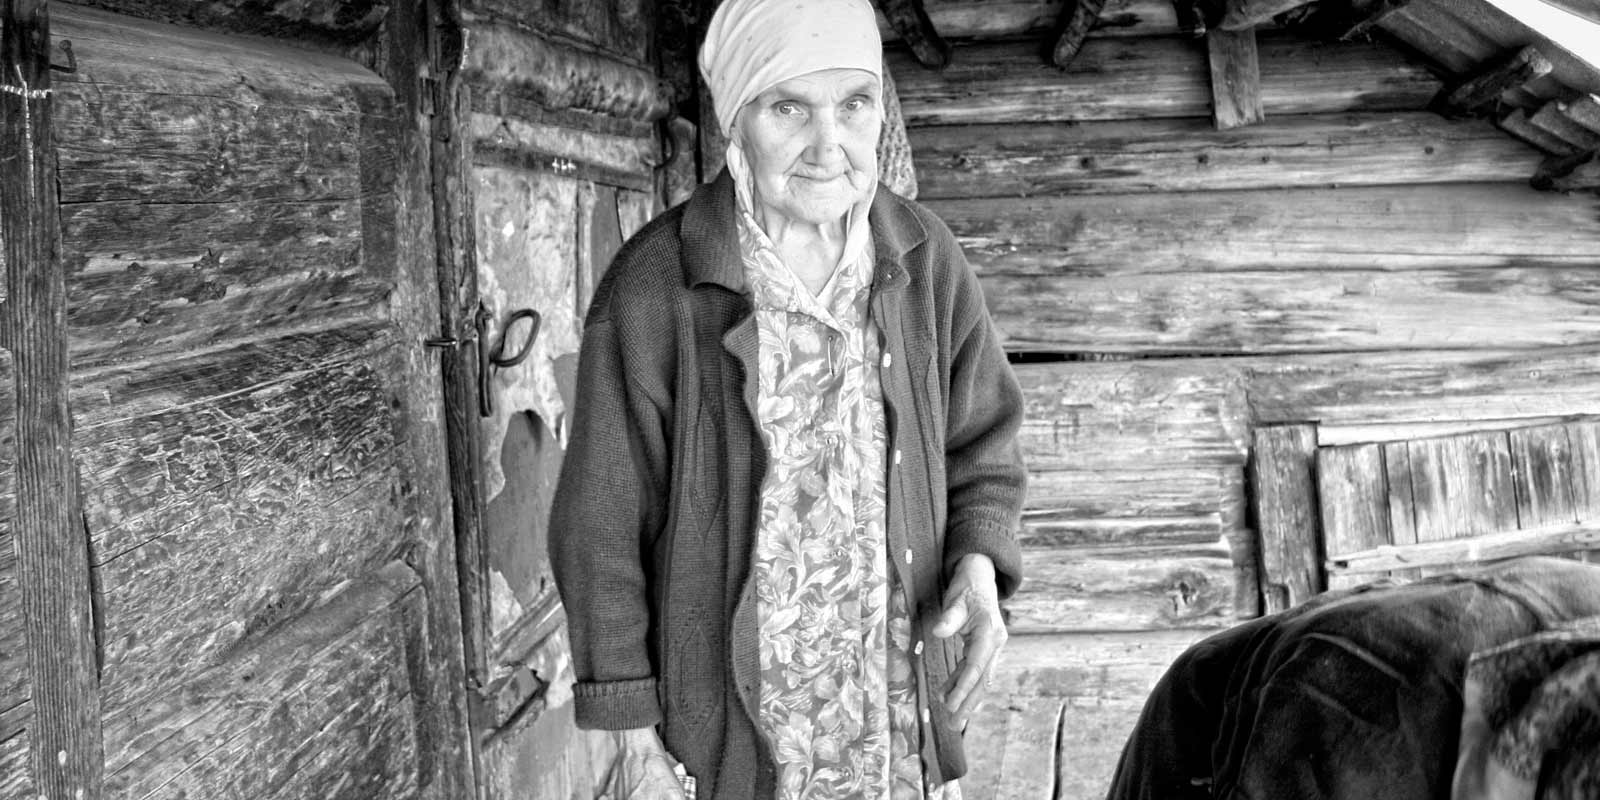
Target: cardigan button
x=917, y=650
x=908, y=556
x=888, y=360
x=926, y=716
x=897, y=457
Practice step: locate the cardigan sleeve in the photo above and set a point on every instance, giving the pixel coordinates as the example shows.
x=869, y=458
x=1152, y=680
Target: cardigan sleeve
x=603, y=517
x=983, y=462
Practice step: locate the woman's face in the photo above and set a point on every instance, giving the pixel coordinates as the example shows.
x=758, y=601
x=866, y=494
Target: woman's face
x=812, y=144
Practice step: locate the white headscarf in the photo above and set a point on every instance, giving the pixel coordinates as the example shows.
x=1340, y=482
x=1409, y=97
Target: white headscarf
x=754, y=45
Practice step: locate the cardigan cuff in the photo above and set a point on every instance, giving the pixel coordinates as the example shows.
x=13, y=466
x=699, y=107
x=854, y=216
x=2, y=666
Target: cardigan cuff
x=616, y=705
x=996, y=542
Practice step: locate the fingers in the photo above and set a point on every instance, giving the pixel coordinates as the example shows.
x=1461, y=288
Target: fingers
x=957, y=612
x=977, y=666
x=658, y=781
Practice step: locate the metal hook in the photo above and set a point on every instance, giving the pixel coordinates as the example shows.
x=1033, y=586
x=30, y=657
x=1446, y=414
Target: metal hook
x=494, y=357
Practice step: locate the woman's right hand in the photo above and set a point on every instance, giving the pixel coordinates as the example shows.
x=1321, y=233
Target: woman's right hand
x=643, y=769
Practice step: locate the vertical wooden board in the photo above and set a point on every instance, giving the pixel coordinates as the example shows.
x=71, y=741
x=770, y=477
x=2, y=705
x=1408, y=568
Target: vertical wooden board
x=14, y=689
x=1285, y=495
x=1235, y=78
x=1353, y=495
x=1584, y=438
x=1462, y=486
x=1402, y=506
x=1028, y=766
x=1543, y=476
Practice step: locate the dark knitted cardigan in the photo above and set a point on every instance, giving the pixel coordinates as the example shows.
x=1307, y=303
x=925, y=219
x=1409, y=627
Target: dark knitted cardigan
x=653, y=527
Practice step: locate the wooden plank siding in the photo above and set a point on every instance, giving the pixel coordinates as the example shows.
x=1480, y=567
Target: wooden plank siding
x=1355, y=265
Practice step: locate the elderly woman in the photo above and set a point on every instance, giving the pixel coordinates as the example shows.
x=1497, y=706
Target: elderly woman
x=790, y=504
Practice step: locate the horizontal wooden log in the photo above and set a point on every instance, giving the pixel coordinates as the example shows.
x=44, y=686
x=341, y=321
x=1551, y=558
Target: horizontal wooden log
x=986, y=19
x=1132, y=415
x=269, y=469
x=1297, y=312
x=121, y=54
x=622, y=29
x=1151, y=79
x=319, y=708
x=611, y=159
x=1377, y=228
x=1160, y=505
x=512, y=61
x=328, y=22
x=1136, y=590
x=1121, y=589
x=119, y=141
x=199, y=207
x=1553, y=540
x=1424, y=387
x=1188, y=155
x=1505, y=75
x=152, y=280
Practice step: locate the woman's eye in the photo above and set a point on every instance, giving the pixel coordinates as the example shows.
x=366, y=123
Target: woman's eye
x=788, y=109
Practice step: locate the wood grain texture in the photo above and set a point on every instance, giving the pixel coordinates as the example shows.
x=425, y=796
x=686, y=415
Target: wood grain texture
x=394, y=125
x=1028, y=765
x=15, y=779
x=1185, y=155
x=1285, y=500
x=1543, y=476
x=319, y=708
x=1109, y=505
x=319, y=23
x=1402, y=500
x=1132, y=415
x=1123, y=589
x=1453, y=553
x=1352, y=489
x=51, y=575
x=270, y=470
x=1518, y=124
x=1153, y=78
x=14, y=684
x=621, y=28
x=505, y=60
x=1297, y=312
x=1461, y=486
x=1235, y=79
x=202, y=208
x=1506, y=74
x=1372, y=228
x=988, y=19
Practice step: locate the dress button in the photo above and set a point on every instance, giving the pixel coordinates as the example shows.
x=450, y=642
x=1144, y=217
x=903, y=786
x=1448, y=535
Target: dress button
x=908, y=555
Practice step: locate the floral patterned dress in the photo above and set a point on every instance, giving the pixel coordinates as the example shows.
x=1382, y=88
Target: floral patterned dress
x=838, y=696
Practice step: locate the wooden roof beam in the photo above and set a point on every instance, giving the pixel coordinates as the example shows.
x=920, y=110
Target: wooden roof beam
x=1475, y=93
x=1235, y=79
x=1518, y=124
x=1243, y=15
x=1072, y=28
x=1553, y=118
x=1569, y=173
x=910, y=20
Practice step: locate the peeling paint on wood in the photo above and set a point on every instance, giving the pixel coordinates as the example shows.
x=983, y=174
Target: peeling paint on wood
x=527, y=240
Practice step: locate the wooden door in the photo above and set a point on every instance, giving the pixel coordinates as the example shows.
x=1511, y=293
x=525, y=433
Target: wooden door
x=552, y=117
x=263, y=602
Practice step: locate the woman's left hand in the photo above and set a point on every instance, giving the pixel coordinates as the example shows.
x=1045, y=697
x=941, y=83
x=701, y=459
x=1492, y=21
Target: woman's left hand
x=972, y=608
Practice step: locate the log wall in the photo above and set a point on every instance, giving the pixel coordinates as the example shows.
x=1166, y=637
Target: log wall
x=1355, y=260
